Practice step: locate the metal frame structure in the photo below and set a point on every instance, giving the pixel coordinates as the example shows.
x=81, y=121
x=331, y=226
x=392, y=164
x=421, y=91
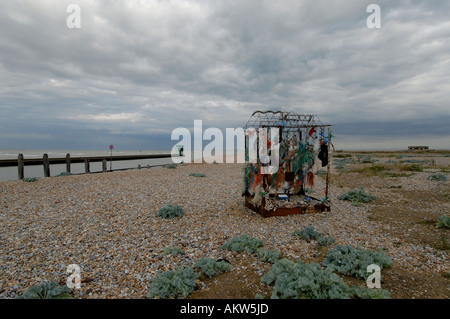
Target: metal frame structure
x=283, y=192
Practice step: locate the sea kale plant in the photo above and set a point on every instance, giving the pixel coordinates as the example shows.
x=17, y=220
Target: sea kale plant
x=170, y=211
x=363, y=292
x=173, y=283
x=443, y=221
x=197, y=174
x=292, y=280
x=174, y=251
x=357, y=197
x=308, y=233
x=437, y=177
x=325, y=241
x=268, y=256
x=47, y=290
x=348, y=260
x=210, y=267
x=243, y=242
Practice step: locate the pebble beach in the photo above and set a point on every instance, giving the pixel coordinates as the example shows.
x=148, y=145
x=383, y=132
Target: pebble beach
x=106, y=223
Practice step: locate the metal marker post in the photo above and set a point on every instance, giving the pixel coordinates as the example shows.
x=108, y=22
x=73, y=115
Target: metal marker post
x=111, y=147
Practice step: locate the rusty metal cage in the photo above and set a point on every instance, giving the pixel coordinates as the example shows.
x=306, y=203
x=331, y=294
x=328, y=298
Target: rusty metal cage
x=291, y=151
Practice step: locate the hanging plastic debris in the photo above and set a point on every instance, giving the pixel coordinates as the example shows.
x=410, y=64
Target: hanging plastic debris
x=302, y=140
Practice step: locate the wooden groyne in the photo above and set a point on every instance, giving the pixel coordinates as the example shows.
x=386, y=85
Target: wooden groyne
x=45, y=161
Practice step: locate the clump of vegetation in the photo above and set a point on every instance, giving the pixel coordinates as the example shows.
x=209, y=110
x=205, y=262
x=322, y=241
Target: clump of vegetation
x=326, y=241
x=342, y=155
x=243, y=242
x=368, y=293
x=170, y=211
x=197, y=174
x=443, y=221
x=268, y=256
x=411, y=168
x=47, y=290
x=174, y=251
x=414, y=161
x=64, y=174
x=29, y=179
x=357, y=197
x=210, y=267
x=292, y=280
x=340, y=163
x=367, y=159
x=308, y=233
x=173, y=283
x=392, y=174
x=348, y=260
x=374, y=170
x=172, y=166
x=437, y=177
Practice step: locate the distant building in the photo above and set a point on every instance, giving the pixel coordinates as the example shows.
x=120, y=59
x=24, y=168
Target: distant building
x=414, y=148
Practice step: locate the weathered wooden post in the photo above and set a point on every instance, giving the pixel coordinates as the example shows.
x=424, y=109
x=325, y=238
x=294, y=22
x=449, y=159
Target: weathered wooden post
x=68, y=163
x=20, y=166
x=86, y=165
x=104, y=165
x=46, y=163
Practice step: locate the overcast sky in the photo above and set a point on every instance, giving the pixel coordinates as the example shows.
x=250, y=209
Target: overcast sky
x=136, y=70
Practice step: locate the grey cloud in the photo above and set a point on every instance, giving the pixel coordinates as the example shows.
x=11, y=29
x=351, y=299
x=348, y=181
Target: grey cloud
x=168, y=63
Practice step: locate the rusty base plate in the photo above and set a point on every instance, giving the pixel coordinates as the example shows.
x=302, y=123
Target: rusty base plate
x=283, y=211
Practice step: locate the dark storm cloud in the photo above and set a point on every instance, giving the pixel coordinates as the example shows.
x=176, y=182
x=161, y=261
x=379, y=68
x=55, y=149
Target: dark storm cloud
x=138, y=69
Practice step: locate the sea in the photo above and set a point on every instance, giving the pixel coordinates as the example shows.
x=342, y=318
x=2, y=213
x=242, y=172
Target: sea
x=11, y=173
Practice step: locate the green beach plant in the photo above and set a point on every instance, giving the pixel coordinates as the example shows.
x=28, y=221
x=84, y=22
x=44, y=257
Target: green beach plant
x=308, y=233
x=243, y=242
x=411, y=168
x=30, y=179
x=174, y=251
x=47, y=290
x=210, y=267
x=171, y=211
x=268, y=256
x=348, y=260
x=325, y=241
x=363, y=292
x=64, y=174
x=437, y=177
x=292, y=280
x=443, y=221
x=197, y=174
x=357, y=197
x=173, y=283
